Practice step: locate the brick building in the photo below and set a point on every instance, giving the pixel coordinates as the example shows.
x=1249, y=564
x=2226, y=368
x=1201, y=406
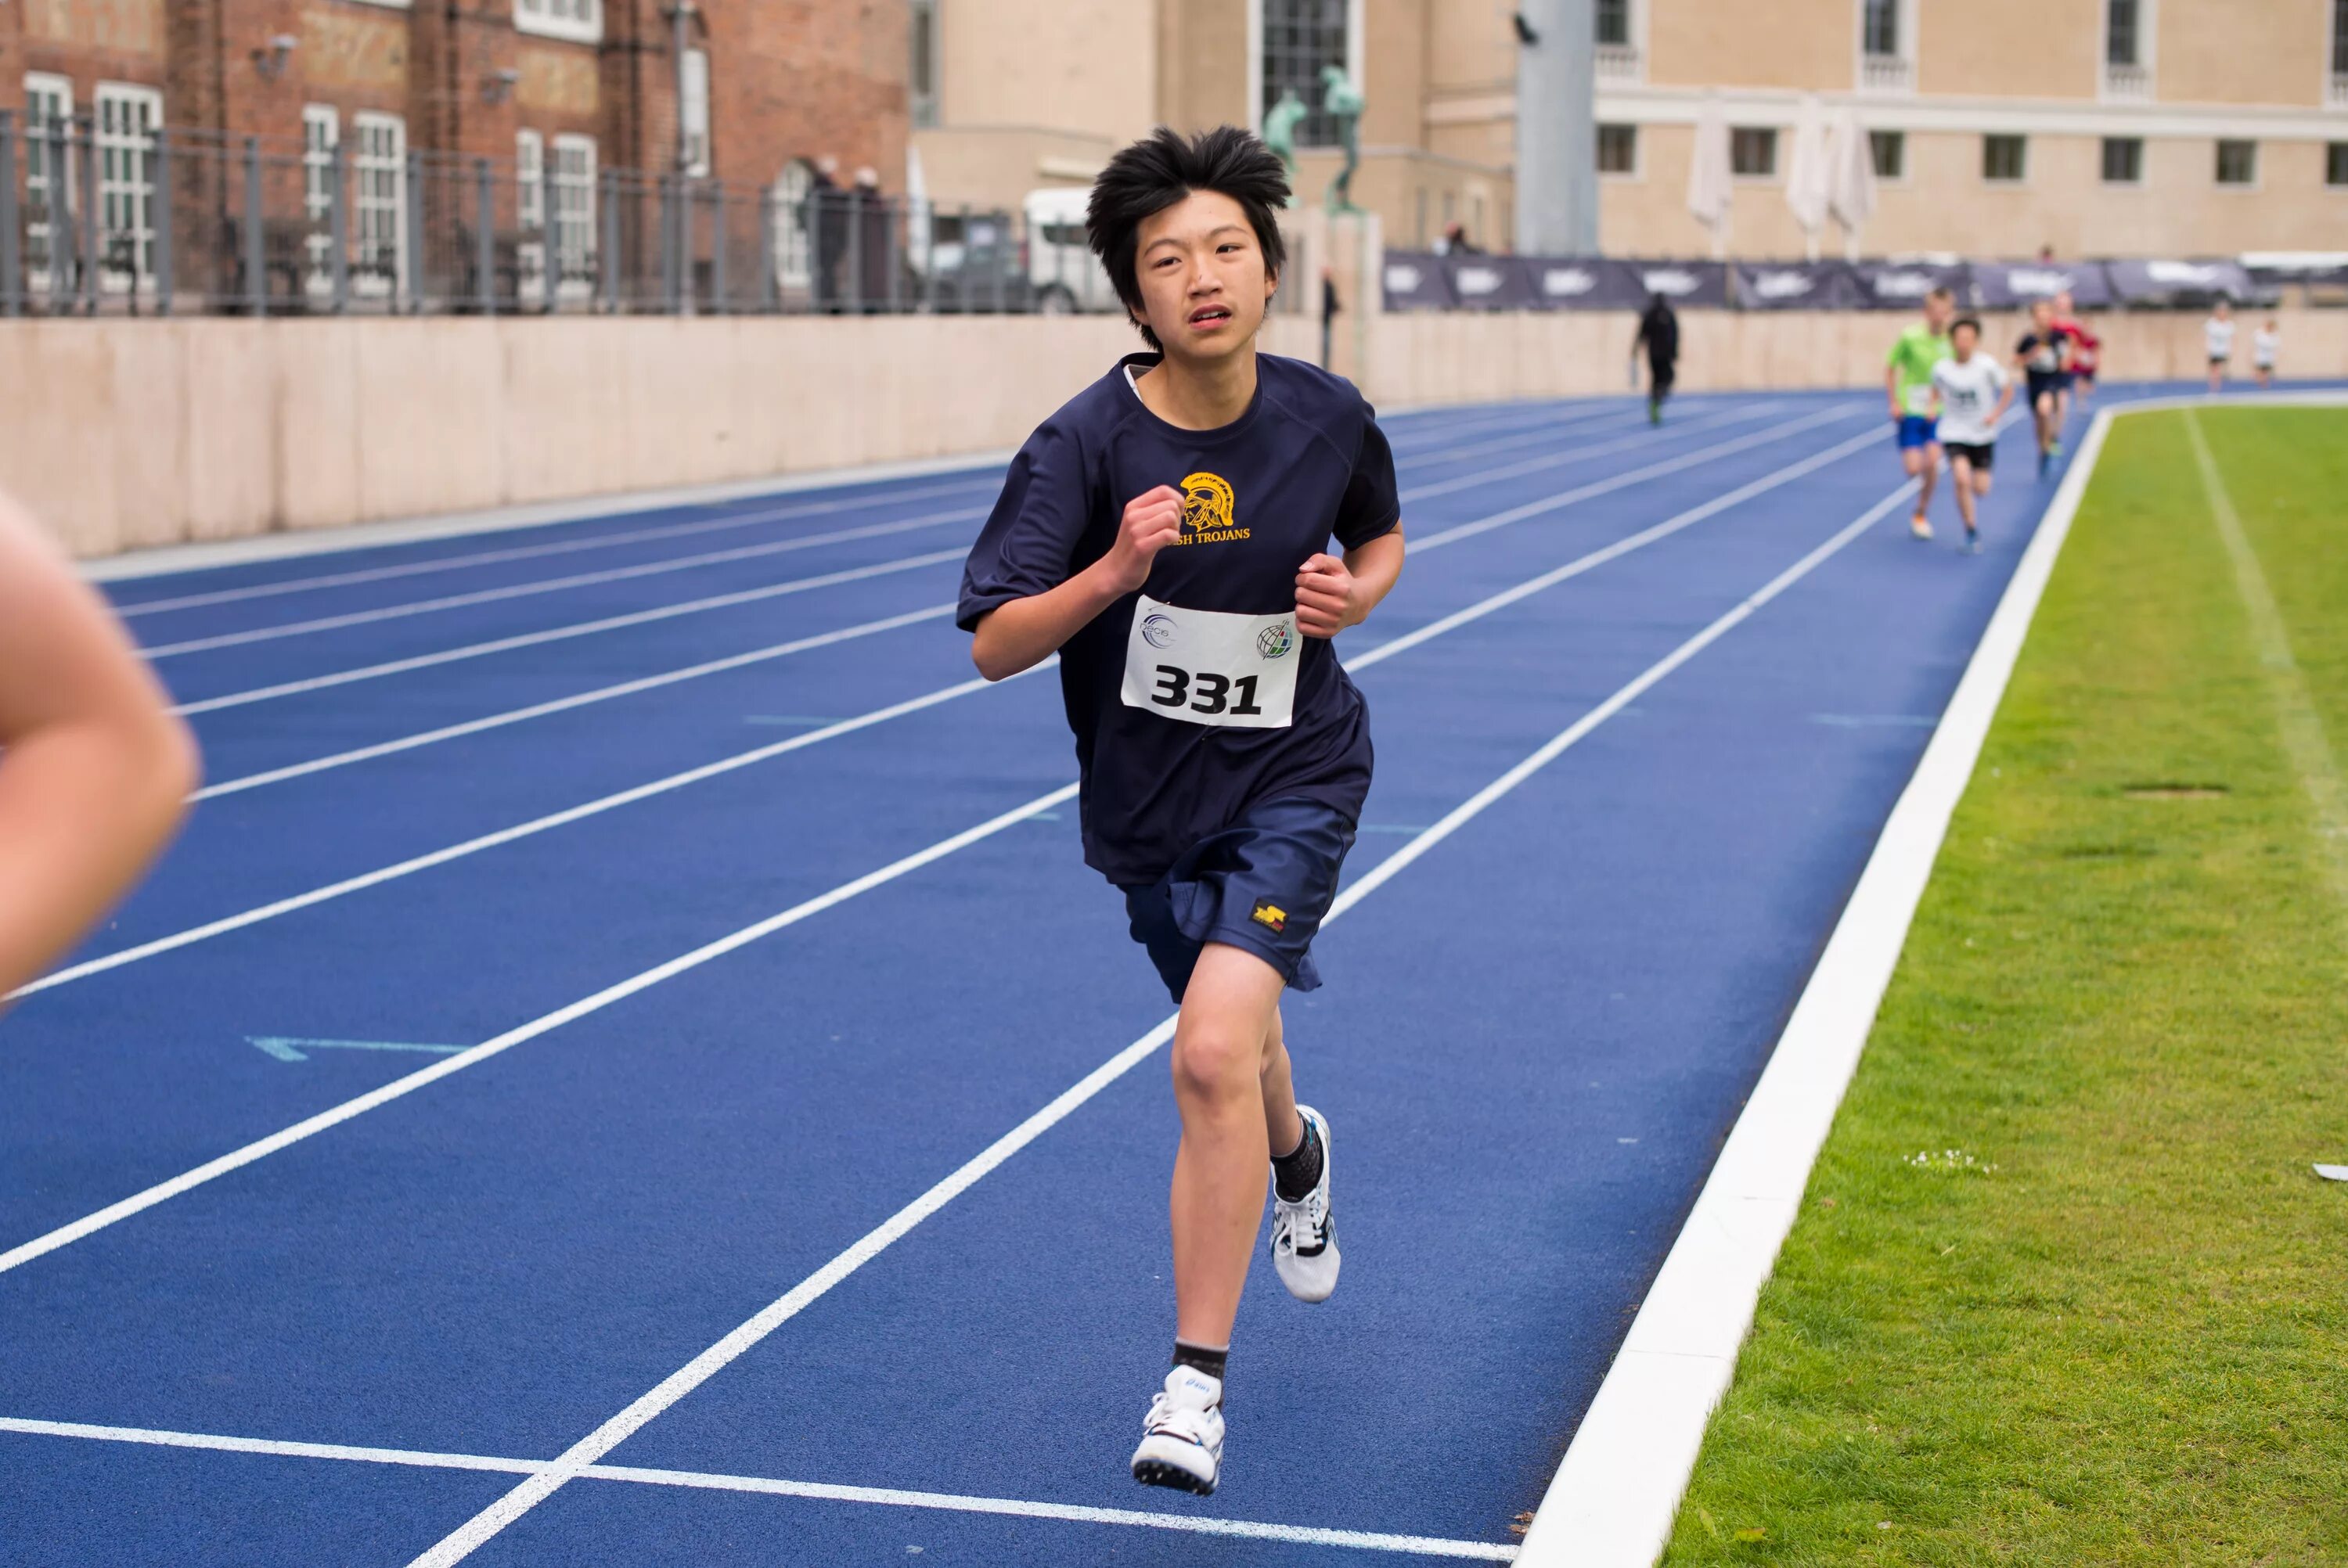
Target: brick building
x=573, y=87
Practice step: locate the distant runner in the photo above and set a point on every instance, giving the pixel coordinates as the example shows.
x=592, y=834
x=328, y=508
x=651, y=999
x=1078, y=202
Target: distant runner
x=2218, y=336
x=1908, y=386
x=1659, y=334
x=2084, y=348
x=1971, y=392
x=2266, y=347
x=2042, y=355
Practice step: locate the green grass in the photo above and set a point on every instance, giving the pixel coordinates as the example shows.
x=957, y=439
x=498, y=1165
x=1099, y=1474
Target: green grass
x=2114, y=1330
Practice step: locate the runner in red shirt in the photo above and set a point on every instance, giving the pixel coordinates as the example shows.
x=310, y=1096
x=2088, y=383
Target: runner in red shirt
x=2083, y=346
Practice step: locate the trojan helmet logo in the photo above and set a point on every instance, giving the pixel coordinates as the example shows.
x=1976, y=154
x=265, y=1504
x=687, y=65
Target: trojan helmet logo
x=1207, y=512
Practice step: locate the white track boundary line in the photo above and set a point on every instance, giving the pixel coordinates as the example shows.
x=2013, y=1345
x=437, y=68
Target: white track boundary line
x=462, y=1542
x=817, y=1492
x=1613, y=1499
x=474, y=845
x=563, y=584
x=562, y=633
x=237, y=1158
x=564, y=704
x=463, y=560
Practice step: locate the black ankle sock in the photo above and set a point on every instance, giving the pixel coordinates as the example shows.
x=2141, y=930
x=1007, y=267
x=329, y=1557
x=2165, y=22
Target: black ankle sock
x=1201, y=1359
x=1298, y=1171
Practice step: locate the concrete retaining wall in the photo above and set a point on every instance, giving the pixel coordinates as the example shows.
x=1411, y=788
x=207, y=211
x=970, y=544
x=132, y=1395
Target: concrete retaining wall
x=129, y=434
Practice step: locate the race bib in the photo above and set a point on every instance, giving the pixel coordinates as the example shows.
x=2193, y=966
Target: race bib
x=1204, y=667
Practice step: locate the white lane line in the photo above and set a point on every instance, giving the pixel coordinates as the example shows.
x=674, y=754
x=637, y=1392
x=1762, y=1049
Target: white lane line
x=236, y=1159
x=561, y=584
x=137, y=1201
x=817, y=1491
x=586, y=579
x=1639, y=437
x=608, y=624
x=1639, y=475
x=564, y=633
x=564, y=704
x=556, y=819
x=1518, y=435
x=531, y=552
x=1422, y=436
x=469, y=1537
x=634, y=618
x=519, y=830
x=1476, y=611
x=2301, y=727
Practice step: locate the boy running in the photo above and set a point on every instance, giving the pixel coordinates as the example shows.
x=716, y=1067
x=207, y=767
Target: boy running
x=1908, y=386
x=1970, y=392
x=2218, y=336
x=2041, y=356
x=2085, y=347
x=2266, y=347
x=1166, y=533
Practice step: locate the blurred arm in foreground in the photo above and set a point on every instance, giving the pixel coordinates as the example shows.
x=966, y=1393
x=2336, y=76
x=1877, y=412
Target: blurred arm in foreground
x=95, y=770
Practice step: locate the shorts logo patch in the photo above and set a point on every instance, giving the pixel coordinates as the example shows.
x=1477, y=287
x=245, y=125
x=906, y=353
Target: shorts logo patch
x=1268, y=913
x=1157, y=630
x=1273, y=641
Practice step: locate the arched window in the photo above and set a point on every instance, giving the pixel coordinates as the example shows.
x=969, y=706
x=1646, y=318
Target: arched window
x=793, y=246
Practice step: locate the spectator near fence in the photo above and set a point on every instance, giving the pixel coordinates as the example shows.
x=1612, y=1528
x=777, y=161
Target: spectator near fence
x=822, y=216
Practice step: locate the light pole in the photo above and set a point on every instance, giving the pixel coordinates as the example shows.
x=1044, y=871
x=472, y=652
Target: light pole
x=1557, y=129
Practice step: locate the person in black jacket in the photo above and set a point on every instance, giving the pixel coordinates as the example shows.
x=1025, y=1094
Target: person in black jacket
x=1659, y=334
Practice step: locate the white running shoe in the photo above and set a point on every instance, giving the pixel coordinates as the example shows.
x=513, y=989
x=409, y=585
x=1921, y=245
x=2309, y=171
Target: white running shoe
x=1182, y=1440
x=1304, y=1233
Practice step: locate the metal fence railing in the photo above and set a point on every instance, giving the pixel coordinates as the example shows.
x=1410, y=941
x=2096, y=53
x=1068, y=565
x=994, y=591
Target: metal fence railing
x=100, y=219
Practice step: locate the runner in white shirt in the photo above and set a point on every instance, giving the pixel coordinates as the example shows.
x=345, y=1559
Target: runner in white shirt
x=1970, y=394
x=2266, y=345
x=2217, y=333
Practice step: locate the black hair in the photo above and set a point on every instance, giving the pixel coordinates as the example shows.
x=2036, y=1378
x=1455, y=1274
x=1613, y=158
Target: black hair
x=1159, y=170
x=1972, y=322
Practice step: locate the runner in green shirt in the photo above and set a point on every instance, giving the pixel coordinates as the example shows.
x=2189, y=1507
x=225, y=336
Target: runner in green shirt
x=1908, y=386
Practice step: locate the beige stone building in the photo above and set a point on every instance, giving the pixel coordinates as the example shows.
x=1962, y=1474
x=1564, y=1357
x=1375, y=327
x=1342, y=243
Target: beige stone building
x=2096, y=127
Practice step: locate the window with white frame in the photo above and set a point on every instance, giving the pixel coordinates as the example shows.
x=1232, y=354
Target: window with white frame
x=2339, y=96
x=379, y=202
x=322, y=133
x=580, y=20
x=573, y=189
x=1753, y=152
x=1618, y=149
x=1886, y=48
x=1301, y=39
x=2238, y=162
x=2128, y=33
x=2123, y=160
x=1888, y=152
x=529, y=181
x=529, y=213
x=921, y=70
x=792, y=220
x=125, y=131
x=2335, y=165
x=48, y=166
x=693, y=113
x=1617, y=27
x=2006, y=159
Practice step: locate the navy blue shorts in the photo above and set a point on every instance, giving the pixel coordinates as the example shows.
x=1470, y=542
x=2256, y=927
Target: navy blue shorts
x=1263, y=883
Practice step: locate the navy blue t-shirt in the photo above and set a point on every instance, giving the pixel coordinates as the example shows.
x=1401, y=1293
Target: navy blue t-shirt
x=1263, y=494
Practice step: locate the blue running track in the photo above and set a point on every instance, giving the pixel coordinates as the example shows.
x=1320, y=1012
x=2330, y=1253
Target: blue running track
x=505, y=791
